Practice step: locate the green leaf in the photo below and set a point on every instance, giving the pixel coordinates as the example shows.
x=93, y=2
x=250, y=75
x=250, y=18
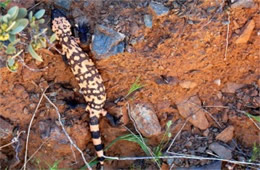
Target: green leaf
x=19, y=26
x=134, y=87
x=257, y=118
x=10, y=49
x=12, y=38
x=30, y=16
x=13, y=12
x=52, y=38
x=6, y=18
x=43, y=42
x=33, y=53
x=22, y=13
x=41, y=21
x=39, y=14
x=5, y=3
x=169, y=123
x=12, y=65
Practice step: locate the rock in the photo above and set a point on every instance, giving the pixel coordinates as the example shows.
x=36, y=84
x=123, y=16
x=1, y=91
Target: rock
x=172, y=80
x=217, y=82
x=226, y=135
x=107, y=42
x=220, y=150
x=158, y=8
x=6, y=129
x=146, y=119
x=2, y=62
x=148, y=21
x=243, y=4
x=63, y=3
x=192, y=108
x=188, y=84
x=246, y=33
x=232, y=87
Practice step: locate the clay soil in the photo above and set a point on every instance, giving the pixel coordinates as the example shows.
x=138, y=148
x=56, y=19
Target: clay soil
x=179, y=57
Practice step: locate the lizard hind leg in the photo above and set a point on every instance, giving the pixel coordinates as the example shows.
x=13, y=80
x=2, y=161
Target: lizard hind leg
x=113, y=120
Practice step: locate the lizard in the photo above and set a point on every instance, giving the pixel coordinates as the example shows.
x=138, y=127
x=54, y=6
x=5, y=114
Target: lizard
x=88, y=77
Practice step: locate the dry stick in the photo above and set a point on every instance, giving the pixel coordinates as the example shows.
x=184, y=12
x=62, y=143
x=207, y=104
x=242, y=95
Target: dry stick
x=14, y=140
x=226, y=49
x=240, y=111
x=35, y=152
x=167, y=151
x=184, y=157
x=21, y=60
x=29, y=129
x=66, y=133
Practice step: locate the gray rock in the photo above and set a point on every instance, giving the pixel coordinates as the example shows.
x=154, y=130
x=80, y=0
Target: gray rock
x=2, y=62
x=243, y=4
x=158, y=8
x=5, y=129
x=107, y=42
x=148, y=21
x=232, y=87
x=220, y=150
x=63, y=3
x=146, y=119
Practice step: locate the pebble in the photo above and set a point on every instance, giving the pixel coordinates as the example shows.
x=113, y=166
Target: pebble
x=6, y=129
x=246, y=33
x=220, y=150
x=232, y=87
x=146, y=119
x=107, y=42
x=66, y=4
x=217, y=82
x=2, y=62
x=192, y=106
x=188, y=84
x=226, y=135
x=148, y=21
x=158, y=8
x=243, y=4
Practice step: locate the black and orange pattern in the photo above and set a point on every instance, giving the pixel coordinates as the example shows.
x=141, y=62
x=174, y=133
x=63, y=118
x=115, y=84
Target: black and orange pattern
x=90, y=81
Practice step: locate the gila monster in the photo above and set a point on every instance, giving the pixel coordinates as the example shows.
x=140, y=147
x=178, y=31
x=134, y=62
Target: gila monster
x=88, y=77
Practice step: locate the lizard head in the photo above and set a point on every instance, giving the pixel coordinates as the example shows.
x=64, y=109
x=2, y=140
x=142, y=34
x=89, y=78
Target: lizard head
x=60, y=25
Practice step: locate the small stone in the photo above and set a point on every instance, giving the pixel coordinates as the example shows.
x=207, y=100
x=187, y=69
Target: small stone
x=206, y=133
x=220, y=150
x=191, y=108
x=2, y=61
x=226, y=135
x=158, y=8
x=188, y=84
x=146, y=119
x=217, y=82
x=243, y=4
x=63, y=3
x=5, y=129
x=246, y=33
x=25, y=110
x=148, y=21
x=107, y=42
x=232, y=87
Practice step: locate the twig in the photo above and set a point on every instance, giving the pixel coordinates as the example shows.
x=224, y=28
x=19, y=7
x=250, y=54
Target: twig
x=14, y=140
x=35, y=152
x=177, y=135
x=184, y=157
x=66, y=133
x=226, y=49
x=29, y=129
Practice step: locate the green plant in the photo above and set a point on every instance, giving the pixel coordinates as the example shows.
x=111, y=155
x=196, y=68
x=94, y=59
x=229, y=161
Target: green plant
x=4, y=4
x=255, y=152
x=167, y=135
x=13, y=42
x=134, y=87
x=257, y=118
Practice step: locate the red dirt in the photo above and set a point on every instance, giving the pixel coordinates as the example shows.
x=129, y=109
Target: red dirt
x=172, y=47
